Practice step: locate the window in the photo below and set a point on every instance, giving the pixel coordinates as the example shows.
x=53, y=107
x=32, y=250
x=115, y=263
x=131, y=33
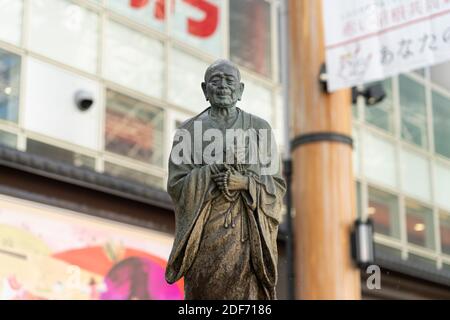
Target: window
x=421, y=261
x=441, y=121
x=59, y=154
x=65, y=32
x=383, y=210
x=11, y=20
x=382, y=250
x=415, y=175
x=134, y=60
x=413, y=109
x=444, y=224
x=257, y=99
x=134, y=129
x=419, y=225
x=132, y=175
x=379, y=160
x=446, y=267
x=150, y=13
x=186, y=73
x=250, y=35
x=381, y=114
x=50, y=108
x=8, y=139
x=9, y=86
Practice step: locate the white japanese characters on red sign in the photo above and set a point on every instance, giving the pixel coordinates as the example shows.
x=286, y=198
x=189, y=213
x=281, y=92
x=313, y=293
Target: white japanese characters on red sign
x=368, y=40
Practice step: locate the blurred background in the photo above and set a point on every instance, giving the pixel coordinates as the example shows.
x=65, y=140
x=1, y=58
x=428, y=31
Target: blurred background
x=91, y=92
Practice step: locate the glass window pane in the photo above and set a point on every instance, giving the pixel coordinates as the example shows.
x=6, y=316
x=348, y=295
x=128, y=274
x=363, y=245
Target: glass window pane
x=59, y=154
x=382, y=250
x=257, y=99
x=381, y=114
x=383, y=210
x=186, y=74
x=11, y=20
x=8, y=139
x=446, y=267
x=199, y=23
x=9, y=86
x=440, y=75
x=379, y=160
x=150, y=13
x=132, y=175
x=134, y=129
x=250, y=41
x=419, y=225
x=64, y=31
x=442, y=185
x=444, y=226
x=421, y=261
x=415, y=175
x=134, y=60
x=413, y=109
x=441, y=121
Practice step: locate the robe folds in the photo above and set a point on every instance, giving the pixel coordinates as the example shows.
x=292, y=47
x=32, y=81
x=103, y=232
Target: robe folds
x=225, y=249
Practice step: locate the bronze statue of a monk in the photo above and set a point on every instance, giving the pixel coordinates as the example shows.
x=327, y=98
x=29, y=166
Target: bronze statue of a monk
x=227, y=206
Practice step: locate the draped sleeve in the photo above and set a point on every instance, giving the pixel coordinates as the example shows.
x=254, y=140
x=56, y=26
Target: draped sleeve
x=264, y=200
x=191, y=189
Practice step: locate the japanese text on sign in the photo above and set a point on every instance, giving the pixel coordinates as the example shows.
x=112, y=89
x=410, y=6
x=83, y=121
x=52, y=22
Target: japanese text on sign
x=368, y=40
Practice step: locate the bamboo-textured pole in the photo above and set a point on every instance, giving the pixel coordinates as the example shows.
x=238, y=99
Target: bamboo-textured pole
x=323, y=186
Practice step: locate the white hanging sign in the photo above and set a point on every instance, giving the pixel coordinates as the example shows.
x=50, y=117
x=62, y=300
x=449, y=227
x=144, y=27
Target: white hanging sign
x=368, y=40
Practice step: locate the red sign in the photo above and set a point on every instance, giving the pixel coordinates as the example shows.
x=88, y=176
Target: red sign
x=200, y=28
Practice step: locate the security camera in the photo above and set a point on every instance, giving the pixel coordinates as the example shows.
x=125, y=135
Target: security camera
x=83, y=99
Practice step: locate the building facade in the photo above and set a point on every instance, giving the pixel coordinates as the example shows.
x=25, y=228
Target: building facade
x=402, y=168
x=82, y=198
x=100, y=210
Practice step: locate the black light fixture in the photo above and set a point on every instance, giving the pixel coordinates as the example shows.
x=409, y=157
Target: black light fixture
x=362, y=243
x=372, y=94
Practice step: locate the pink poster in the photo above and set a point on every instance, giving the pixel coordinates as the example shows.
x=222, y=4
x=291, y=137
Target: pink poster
x=52, y=253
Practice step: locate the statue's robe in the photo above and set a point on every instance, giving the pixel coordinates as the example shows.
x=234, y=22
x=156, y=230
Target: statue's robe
x=225, y=250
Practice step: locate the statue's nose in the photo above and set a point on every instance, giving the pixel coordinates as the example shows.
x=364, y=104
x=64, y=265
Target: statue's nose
x=223, y=83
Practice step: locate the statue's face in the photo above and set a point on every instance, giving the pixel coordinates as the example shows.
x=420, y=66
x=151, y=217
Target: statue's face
x=223, y=88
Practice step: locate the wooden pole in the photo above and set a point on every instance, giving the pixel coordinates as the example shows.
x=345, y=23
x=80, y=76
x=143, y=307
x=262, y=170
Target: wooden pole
x=323, y=182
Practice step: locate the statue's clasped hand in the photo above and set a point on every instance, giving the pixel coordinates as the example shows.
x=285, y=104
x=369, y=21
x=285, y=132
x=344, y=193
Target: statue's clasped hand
x=228, y=179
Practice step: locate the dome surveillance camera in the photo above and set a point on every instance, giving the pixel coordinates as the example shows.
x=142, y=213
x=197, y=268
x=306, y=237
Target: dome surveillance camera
x=83, y=99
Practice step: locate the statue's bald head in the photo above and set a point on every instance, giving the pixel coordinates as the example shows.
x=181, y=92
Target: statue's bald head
x=222, y=86
x=222, y=64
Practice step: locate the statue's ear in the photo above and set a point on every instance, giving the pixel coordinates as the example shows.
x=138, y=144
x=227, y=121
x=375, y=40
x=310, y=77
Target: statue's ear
x=204, y=90
x=241, y=90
